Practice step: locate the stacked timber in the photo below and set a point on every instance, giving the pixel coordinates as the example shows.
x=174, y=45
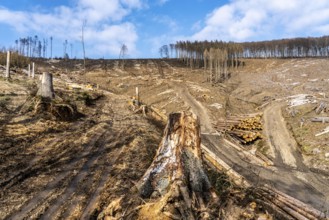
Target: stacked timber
x=245, y=129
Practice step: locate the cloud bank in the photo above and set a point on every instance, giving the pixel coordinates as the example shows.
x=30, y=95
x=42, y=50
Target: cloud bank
x=244, y=20
x=105, y=31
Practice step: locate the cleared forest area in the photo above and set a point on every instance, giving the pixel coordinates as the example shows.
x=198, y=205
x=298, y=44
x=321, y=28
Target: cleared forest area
x=262, y=126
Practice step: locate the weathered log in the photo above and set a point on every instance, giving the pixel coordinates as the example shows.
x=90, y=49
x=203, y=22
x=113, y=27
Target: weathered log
x=292, y=206
x=176, y=179
x=46, y=89
x=320, y=119
x=322, y=107
x=324, y=131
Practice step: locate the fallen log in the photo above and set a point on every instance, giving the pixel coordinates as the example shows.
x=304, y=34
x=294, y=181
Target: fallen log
x=324, y=131
x=320, y=119
x=290, y=205
x=176, y=180
x=321, y=108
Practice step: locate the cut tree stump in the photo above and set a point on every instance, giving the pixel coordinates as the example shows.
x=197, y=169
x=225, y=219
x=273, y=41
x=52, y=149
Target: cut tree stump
x=176, y=180
x=46, y=89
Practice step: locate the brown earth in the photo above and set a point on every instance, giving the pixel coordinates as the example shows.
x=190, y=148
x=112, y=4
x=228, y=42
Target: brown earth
x=77, y=169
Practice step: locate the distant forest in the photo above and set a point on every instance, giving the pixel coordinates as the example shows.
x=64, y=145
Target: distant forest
x=217, y=56
x=284, y=48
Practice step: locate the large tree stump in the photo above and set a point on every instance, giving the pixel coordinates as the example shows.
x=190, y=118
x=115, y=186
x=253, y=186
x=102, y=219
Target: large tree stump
x=46, y=89
x=176, y=180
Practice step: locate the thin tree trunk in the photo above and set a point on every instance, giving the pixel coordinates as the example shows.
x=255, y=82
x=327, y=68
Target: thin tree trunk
x=46, y=89
x=7, y=75
x=29, y=70
x=33, y=69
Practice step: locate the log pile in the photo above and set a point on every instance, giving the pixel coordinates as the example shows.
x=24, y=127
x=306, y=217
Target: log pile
x=244, y=129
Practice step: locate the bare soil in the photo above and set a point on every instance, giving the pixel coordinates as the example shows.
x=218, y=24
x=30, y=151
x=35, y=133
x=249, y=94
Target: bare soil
x=55, y=169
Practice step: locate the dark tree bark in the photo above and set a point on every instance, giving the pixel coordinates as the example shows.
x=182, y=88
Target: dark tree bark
x=46, y=89
x=176, y=179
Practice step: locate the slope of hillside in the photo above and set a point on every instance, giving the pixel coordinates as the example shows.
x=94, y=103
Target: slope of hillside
x=85, y=167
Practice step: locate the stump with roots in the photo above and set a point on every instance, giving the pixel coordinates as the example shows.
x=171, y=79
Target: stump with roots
x=176, y=181
x=46, y=89
x=46, y=103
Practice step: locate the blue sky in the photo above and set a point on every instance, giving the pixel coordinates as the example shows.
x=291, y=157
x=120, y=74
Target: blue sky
x=145, y=25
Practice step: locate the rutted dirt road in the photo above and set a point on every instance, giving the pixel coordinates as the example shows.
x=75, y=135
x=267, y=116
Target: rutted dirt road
x=288, y=174
x=280, y=141
x=70, y=170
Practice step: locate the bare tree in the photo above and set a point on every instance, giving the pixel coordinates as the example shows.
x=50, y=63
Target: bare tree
x=51, y=47
x=65, y=56
x=71, y=47
x=123, y=54
x=164, y=51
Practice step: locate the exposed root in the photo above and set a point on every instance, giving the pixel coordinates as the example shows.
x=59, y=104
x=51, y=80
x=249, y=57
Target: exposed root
x=59, y=111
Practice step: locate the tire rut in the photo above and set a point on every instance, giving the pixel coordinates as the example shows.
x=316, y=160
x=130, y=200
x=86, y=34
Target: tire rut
x=53, y=185
x=281, y=177
x=55, y=207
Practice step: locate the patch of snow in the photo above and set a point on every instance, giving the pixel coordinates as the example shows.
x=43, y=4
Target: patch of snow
x=313, y=80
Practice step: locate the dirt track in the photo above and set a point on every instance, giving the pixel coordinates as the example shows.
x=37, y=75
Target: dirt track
x=298, y=182
x=280, y=140
x=62, y=169
x=75, y=169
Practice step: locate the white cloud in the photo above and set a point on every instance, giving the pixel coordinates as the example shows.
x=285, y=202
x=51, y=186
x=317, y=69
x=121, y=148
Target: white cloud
x=162, y=2
x=242, y=20
x=166, y=20
x=108, y=41
x=106, y=29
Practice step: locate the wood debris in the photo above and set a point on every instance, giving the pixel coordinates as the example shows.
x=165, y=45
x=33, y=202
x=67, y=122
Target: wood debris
x=324, y=131
x=245, y=130
x=287, y=206
x=322, y=107
x=320, y=119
